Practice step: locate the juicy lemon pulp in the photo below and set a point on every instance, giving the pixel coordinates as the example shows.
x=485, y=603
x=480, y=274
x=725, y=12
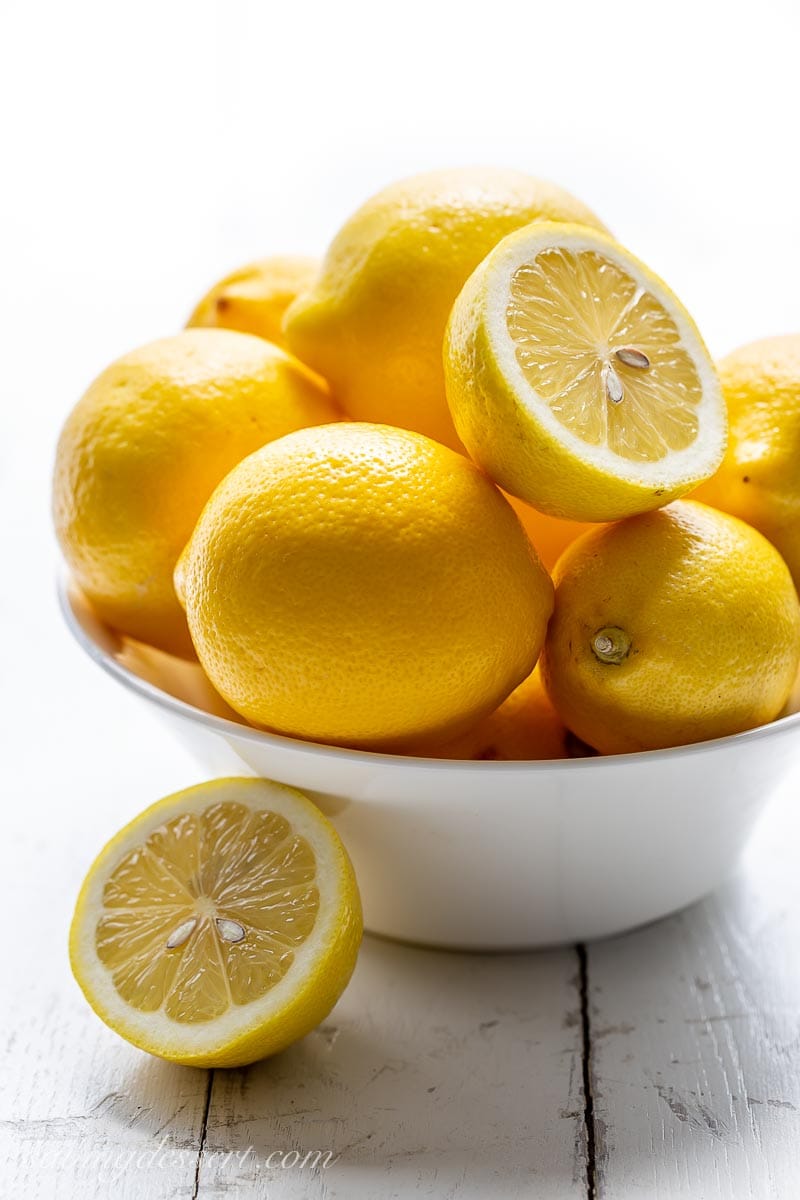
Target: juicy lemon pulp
x=569, y=314
x=207, y=912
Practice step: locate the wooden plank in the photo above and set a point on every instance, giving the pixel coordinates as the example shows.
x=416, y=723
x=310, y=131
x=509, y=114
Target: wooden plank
x=695, y=1040
x=81, y=1113
x=437, y=1075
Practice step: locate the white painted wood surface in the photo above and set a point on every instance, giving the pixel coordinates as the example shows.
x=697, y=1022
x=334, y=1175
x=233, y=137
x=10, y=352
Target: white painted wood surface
x=437, y=1075
x=695, y=1038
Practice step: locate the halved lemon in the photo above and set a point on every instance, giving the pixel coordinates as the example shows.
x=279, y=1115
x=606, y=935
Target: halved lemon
x=578, y=381
x=219, y=926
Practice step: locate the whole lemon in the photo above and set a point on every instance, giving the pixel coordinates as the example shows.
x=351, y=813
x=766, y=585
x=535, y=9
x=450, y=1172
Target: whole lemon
x=550, y=535
x=759, y=479
x=254, y=298
x=374, y=320
x=669, y=628
x=524, y=728
x=143, y=450
x=362, y=585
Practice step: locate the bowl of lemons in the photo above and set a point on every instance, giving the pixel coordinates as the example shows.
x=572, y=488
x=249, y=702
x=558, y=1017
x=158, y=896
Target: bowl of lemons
x=462, y=534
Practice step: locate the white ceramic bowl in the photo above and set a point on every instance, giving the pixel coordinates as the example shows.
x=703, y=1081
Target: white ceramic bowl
x=489, y=855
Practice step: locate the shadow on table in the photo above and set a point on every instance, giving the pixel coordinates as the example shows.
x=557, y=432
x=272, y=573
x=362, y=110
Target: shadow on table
x=451, y=1071
x=696, y=1039
x=456, y=1073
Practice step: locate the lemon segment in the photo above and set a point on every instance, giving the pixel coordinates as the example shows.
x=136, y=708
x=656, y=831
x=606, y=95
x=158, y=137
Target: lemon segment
x=219, y=926
x=577, y=380
x=607, y=323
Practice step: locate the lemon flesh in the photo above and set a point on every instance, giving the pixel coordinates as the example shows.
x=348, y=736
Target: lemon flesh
x=578, y=381
x=219, y=926
x=576, y=316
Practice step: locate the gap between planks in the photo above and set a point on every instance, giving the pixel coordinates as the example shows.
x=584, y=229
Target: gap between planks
x=203, y=1134
x=586, y=1058
x=588, y=1130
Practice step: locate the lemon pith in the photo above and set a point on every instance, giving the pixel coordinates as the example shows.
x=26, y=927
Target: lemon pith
x=220, y=925
x=577, y=380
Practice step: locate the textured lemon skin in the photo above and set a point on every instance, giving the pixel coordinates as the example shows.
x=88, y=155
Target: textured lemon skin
x=713, y=621
x=550, y=535
x=363, y=585
x=759, y=479
x=502, y=436
x=254, y=298
x=525, y=728
x=374, y=321
x=145, y=447
x=316, y=993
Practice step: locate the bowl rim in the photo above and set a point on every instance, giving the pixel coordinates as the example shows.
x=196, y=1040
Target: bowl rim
x=222, y=726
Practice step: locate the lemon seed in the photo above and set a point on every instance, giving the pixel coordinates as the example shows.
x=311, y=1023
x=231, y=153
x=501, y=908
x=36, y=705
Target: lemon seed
x=633, y=357
x=231, y=931
x=614, y=389
x=181, y=934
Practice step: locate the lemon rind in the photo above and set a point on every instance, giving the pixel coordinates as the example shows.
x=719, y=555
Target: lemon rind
x=288, y=1010
x=510, y=431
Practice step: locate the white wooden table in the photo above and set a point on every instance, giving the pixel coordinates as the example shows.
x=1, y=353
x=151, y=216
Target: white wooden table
x=665, y=1063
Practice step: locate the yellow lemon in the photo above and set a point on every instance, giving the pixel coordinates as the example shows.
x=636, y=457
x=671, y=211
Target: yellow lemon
x=669, y=628
x=219, y=926
x=373, y=322
x=145, y=447
x=577, y=380
x=759, y=479
x=549, y=535
x=362, y=585
x=525, y=727
x=254, y=298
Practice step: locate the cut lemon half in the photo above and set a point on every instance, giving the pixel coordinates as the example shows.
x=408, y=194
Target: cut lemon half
x=219, y=926
x=577, y=380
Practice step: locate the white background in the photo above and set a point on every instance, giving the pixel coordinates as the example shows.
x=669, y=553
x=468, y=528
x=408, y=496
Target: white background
x=145, y=148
